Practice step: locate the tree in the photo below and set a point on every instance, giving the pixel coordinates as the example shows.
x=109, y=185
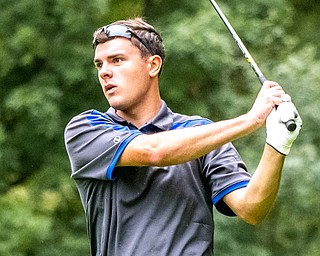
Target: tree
x=47, y=77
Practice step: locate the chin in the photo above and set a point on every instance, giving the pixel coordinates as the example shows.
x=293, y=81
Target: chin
x=120, y=103
x=117, y=105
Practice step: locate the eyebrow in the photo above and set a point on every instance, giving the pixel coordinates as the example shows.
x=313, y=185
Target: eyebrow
x=96, y=61
x=112, y=56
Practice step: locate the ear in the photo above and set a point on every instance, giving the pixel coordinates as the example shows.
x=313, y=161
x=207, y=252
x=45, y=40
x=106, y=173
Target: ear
x=155, y=64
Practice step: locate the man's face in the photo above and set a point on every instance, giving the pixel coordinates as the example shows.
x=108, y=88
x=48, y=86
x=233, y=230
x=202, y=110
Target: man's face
x=122, y=72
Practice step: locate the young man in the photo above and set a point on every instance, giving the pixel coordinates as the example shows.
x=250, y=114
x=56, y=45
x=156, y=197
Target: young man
x=148, y=178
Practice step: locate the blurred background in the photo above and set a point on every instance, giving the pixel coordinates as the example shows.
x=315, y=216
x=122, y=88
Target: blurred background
x=47, y=77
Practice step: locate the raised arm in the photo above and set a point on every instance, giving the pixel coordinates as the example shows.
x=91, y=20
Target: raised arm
x=254, y=202
x=178, y=146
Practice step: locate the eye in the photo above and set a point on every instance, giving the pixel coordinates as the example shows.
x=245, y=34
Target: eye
x=117, y=60
x=98, y=65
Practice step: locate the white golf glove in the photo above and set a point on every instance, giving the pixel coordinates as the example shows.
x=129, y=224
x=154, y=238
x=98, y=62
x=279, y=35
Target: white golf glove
x=278, y=136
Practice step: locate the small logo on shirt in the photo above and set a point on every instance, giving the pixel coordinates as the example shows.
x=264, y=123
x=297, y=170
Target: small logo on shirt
x=116, y=139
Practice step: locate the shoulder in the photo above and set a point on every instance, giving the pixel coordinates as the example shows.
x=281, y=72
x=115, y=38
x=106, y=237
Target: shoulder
x=91, y=114
x=87, y=120
x=90, y=117
x=167, y=119
x=184, y=121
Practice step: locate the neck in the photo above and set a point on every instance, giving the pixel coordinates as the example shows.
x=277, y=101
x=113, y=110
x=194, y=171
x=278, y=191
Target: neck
x=140, y=117
x=146, y=108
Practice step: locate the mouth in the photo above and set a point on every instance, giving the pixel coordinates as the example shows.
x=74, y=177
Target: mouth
x=109, y=88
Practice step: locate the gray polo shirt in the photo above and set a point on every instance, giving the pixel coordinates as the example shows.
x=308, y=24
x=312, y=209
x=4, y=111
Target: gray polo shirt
x=159, y=211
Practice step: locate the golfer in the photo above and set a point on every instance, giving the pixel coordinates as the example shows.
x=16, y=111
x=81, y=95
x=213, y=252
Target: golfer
x=149, y=178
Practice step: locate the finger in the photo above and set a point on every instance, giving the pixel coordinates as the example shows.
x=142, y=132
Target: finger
x=286, y=98
x=276, y=90
x=270, y=84
x=276, y=100
x=277, y=94
x=287, y=111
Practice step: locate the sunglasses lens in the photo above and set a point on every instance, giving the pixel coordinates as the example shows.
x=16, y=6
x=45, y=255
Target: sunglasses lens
x=117, y=30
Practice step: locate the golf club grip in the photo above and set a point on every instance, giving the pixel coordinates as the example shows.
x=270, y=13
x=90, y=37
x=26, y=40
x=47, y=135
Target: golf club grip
x=291, y=125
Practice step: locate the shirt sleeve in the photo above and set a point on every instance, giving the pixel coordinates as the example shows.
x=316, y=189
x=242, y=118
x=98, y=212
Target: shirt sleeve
x=94, y=143
x=226, y=172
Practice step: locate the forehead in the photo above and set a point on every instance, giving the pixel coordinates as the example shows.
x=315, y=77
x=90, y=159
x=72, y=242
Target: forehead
x=117, y=45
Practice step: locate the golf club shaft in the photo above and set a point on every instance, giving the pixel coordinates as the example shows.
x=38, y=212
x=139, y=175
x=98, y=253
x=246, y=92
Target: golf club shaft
x=239, y=42
x=291, y=125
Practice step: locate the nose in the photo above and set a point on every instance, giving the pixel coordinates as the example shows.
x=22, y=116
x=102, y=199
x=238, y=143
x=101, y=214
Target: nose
x=105, y=71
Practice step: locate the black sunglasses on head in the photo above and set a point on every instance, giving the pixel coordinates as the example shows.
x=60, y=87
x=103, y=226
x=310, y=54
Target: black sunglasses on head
x=115, y=30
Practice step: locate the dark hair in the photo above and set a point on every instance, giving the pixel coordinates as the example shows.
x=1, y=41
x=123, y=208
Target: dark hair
x=141, y=28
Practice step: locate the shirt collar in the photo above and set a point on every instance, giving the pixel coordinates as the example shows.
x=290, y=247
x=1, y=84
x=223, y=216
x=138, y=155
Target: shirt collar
x=162, y=121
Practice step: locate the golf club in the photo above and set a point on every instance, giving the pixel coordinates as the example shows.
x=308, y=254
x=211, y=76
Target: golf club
x=291, y=125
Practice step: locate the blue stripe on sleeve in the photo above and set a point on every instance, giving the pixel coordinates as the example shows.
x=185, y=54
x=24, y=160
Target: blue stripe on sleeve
x=236, y=186
x=117, y=155
x=97, y=118
x=191, y=123
x=218, y=202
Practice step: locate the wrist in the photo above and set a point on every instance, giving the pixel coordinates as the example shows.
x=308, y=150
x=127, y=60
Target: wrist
x=254, y=121
x=282, y=153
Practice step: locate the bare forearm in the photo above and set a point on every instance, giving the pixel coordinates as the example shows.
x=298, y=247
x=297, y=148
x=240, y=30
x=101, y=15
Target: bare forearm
x=266, y=179
x=174, y=147
x=178, y=146
x=254, y=202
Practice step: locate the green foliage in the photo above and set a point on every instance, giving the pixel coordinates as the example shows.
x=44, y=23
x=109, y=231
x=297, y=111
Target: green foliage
x=201, y=50
x=47, y=76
